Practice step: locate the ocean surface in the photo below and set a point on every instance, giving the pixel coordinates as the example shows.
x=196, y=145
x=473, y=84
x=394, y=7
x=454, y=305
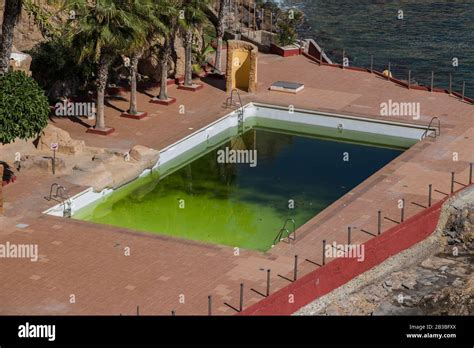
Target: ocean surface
x=431, y=34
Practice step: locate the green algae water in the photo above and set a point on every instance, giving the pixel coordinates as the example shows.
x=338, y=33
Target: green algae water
x=238, y=205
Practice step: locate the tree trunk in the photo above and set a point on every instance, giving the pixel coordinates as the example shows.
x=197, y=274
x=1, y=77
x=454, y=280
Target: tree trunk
x=11, y=15
x=220, y=36
x=102, y=76
x=133, y=72
x=218, y=65
x=188, y=72
x=165, y=54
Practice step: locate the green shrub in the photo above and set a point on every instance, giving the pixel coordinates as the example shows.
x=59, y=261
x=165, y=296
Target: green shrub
x=24, y=108
x=55, y=66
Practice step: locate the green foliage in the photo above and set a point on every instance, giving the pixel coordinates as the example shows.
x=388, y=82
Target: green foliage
x=104, y=27
x=201, y=58
x=287, y=25
x=24, y=108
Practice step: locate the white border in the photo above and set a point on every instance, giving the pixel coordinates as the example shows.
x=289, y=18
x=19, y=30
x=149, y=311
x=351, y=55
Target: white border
x=254, y=110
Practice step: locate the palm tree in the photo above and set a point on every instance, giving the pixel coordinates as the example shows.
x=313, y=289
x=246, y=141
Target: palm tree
x=151, y=13
x=101, y=30
x=192, y=16
x=168, y=16
x=220, y=36
x=11, y=16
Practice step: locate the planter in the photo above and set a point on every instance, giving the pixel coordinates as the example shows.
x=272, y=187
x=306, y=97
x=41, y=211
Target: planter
x=137, y=116
x=194, y=88
x=105, y=131
x=166, y=102
x=287, y=51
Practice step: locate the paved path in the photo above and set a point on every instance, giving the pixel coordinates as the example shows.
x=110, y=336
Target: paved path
x=88, y=260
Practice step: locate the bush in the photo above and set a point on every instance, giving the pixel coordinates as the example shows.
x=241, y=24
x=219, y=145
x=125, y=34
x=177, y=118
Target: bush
x=55, y=67
x=24, y=108
x=287, y=26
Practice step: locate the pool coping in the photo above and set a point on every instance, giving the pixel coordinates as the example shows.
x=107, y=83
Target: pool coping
x=231, y=120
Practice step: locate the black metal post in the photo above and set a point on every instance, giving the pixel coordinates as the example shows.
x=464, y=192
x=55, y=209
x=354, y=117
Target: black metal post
x=138, y=310
x=209, y=305
x=450, y=83
x=295, y=270
x=432, y=81
x=268, y=282
x=402, y=214
x=173, y=313
x=430, y=192
x=241, y=305
x=452, y=182
x=379, y=222
x=470, y=173
x=349, y=235
x=324, y=252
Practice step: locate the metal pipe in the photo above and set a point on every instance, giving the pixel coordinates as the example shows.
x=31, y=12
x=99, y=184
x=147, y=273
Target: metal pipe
x=430, y=193
x=209, y=305
x=402, y=216
x=295, y=271
x=268, y=282
x=241, y=305
x=432, y=81
x=324, y=252
x=379, y=222
x=452, y=182
x=470, y=173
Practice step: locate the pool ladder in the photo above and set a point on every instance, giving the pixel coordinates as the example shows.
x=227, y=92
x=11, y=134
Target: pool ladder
x=437, y=130
x=290, y=236
x=230, y=102
x=61, y=196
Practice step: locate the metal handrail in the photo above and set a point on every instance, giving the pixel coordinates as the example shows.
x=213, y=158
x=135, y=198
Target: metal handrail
x=279, y=238
x=65, y=199
x=437, y=130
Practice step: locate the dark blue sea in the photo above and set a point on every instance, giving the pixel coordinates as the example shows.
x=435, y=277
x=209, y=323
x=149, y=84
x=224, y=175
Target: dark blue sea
x=431, y=34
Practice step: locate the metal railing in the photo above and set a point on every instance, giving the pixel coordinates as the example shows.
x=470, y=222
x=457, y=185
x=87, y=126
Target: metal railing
x=437, y=130
x=61, y=196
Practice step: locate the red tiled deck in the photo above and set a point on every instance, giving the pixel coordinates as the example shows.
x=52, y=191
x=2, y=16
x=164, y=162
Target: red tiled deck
x=87, y=260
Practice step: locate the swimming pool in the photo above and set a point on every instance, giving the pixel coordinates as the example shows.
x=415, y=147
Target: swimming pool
x=298, y=171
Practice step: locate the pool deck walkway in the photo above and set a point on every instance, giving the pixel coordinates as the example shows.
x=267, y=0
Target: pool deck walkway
x=88, y=260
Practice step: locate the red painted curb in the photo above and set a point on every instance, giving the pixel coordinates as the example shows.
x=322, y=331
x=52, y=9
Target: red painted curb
x=341, y=270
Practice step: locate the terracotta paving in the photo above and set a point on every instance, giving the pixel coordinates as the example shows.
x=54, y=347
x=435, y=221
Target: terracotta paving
x=89, y=261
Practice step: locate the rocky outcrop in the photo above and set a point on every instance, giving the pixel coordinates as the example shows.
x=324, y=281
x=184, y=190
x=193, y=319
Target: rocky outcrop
x=67, y=145
x=434, y=277
x=112, y=168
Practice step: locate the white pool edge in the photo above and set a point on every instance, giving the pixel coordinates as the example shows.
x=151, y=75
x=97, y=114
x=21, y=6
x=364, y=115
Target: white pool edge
x=254, y=110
